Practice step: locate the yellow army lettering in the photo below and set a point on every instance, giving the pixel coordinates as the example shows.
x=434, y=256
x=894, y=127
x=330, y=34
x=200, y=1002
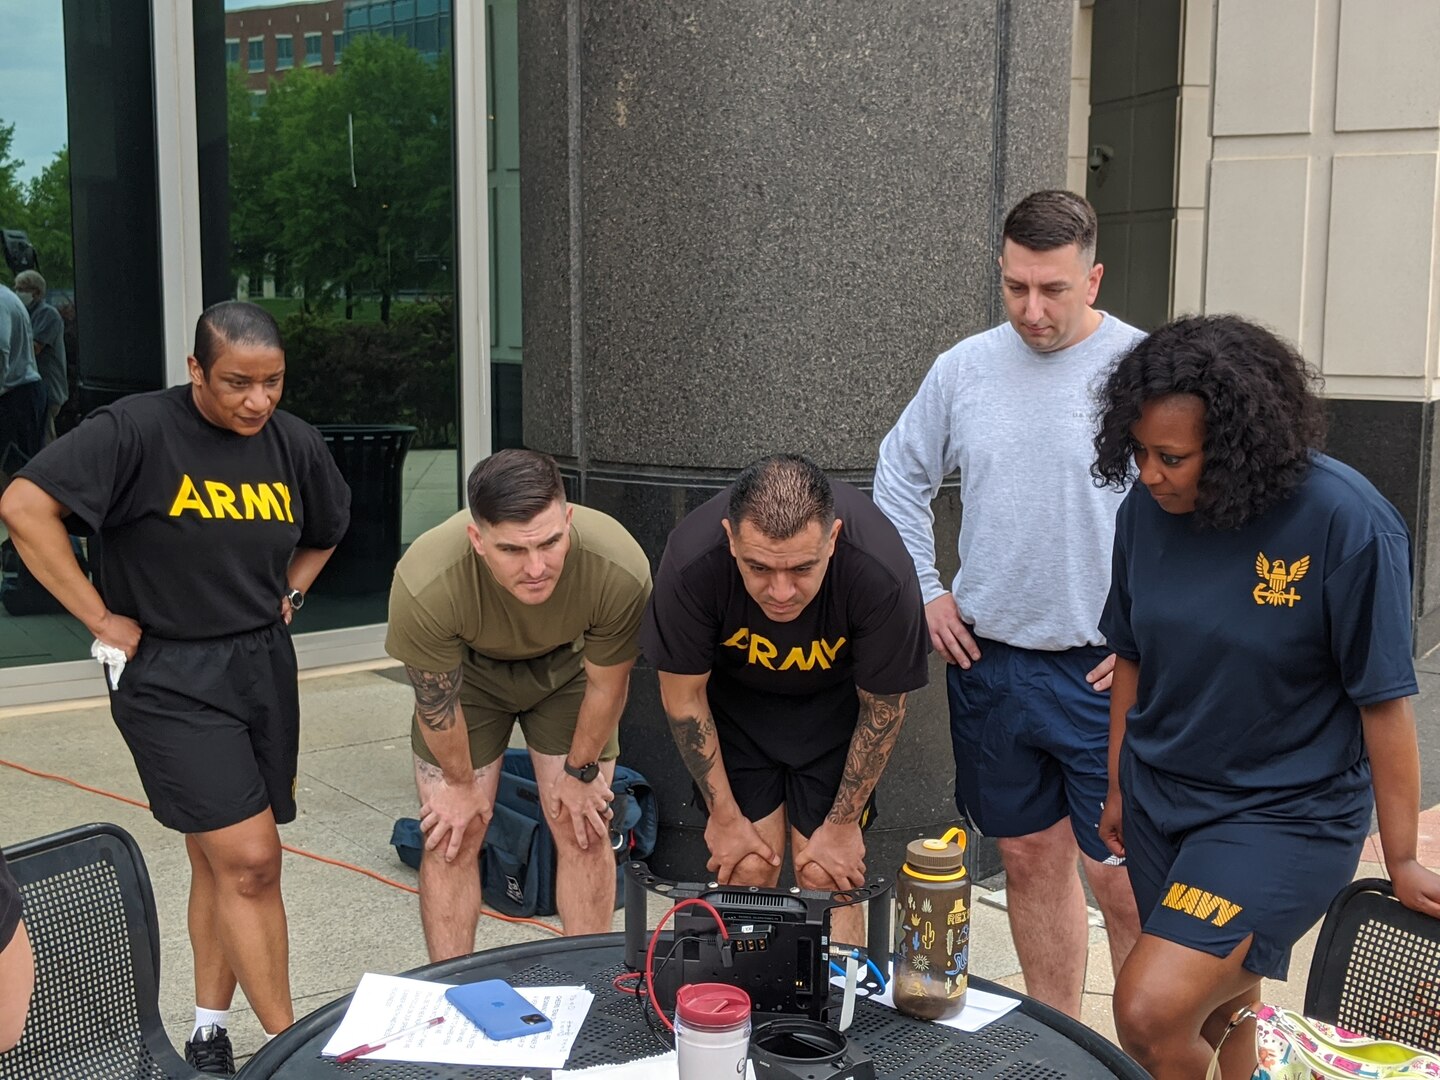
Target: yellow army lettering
x=1200, y=903
x=267, y=501
x=761, y=650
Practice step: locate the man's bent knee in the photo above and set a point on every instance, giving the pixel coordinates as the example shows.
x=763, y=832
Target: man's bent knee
x=754, y=870
x=812, y=876
x=1040, y=856
x=471, y=840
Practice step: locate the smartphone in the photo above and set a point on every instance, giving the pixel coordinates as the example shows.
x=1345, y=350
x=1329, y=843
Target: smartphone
x=496, y=1009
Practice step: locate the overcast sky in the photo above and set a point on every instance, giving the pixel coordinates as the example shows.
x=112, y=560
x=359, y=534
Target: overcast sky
x=32, y=77
x=32, y=81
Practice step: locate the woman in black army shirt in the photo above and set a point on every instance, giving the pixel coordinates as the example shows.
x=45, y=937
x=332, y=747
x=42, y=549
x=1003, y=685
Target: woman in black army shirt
x=217, y=511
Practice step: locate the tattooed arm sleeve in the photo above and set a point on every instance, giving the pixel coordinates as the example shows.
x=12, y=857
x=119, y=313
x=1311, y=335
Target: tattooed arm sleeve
x=441, y=720
x=875, y=733
x=693, y=727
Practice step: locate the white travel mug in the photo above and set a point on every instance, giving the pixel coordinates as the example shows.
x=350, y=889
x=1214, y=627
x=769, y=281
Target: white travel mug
x=712, y=1031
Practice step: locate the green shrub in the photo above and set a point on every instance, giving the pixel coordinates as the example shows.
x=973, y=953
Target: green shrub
x=403, y=372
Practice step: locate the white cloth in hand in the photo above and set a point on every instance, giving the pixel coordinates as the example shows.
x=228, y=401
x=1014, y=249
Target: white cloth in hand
x=112, y=658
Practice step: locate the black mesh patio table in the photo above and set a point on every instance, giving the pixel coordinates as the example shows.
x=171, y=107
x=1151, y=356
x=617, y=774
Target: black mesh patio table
x=1034, y=1042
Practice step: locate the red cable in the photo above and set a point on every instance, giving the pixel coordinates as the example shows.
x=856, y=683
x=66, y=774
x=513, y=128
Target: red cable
x=650, y=952
x=284, y=847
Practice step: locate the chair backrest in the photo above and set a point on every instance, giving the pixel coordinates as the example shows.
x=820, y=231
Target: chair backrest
x=1377, y=967
x=91, y=918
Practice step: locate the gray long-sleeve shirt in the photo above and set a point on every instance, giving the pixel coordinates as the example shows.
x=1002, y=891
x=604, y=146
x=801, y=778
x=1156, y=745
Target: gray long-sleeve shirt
x=1036, y=533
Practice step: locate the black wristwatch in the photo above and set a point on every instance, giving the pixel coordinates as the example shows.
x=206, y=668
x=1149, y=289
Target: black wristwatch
x=584, y=773
x=296, y=598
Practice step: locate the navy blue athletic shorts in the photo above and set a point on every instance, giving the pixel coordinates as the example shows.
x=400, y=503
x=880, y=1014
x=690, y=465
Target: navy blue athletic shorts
x=1030, y=738
x=214, y=727
x=1210, y=866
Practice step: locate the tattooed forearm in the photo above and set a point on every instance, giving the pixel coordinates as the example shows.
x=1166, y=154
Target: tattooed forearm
x=875, y=732
x=695, y=736
x=436, y=695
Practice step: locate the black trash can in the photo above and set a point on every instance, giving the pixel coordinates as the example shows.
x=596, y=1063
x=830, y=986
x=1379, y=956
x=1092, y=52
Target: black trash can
x=371, y=458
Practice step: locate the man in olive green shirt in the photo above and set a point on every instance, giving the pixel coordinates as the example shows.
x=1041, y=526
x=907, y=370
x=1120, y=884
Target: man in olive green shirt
x=523, y=607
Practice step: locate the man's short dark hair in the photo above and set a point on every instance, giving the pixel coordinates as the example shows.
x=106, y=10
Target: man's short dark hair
x=513, y=485
x=780, y=495
x=1046, y=220
x=233, y=322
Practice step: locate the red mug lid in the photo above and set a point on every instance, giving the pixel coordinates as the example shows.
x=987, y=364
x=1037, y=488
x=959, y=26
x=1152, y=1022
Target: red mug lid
x=712, y=1006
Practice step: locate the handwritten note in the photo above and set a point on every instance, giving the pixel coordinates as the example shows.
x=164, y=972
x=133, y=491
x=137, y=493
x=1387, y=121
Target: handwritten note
x=386, y=1003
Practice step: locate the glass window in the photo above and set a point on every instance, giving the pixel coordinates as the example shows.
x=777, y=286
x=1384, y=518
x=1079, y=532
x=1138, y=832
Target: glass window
x=257, y=54
x=427, y=7
x=35, y=201
x=232, y=51
x=312, y=50
x=380, y=15
x=284, y=51
x=337, y=43
x=427, y=38
x=404, y=10
x=357, y=18
x=370, y=340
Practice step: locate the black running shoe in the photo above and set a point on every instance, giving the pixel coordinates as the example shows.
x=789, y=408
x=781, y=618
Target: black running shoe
x=209, y=1051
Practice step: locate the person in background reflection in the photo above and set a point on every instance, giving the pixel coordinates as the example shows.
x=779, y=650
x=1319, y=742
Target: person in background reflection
x=48, y=330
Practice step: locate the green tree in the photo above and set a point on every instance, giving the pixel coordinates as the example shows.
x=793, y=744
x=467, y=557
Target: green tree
x=341, y=217
x=12, y=195
x=253, y=151
x=48, y=220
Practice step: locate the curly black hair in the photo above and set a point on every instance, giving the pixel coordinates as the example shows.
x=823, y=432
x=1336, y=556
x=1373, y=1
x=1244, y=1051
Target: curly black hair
x=1263, y=416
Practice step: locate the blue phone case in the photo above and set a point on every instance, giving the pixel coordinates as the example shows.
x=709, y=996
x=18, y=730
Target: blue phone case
x=496, y=1009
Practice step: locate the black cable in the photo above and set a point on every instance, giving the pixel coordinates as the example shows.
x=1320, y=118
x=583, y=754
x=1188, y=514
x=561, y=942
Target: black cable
x=651, y=1021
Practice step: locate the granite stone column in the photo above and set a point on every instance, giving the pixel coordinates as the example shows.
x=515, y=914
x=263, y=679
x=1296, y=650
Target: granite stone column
x=750, y=227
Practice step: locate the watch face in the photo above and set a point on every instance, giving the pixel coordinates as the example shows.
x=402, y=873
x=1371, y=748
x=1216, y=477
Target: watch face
x=296, y=598
x=585, y=773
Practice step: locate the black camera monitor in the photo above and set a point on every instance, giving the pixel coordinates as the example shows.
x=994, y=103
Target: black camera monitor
x=778, y=943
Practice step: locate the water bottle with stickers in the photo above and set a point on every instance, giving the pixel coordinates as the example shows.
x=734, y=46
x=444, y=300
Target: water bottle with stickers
x=932, y=928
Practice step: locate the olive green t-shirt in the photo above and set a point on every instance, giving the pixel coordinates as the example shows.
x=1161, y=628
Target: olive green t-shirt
x=447, y=611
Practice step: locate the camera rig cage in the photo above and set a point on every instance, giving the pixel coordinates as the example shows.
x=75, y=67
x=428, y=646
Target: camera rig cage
x=778, y=949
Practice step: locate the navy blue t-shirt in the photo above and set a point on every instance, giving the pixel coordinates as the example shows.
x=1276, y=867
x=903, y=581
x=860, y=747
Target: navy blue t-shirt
x=1258, y=645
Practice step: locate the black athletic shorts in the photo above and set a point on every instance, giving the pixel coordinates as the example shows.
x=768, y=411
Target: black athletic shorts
x=761, y=783
x=214, y=727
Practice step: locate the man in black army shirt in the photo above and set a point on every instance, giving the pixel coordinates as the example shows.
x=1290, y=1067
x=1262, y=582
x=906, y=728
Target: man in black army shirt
x=787, y=629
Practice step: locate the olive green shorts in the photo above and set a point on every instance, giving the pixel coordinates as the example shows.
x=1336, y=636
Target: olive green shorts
x=543, y=694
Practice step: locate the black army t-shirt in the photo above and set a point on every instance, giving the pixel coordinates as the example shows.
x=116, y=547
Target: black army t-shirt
x=1257, y=646
x=10, y=905
x=790, y=686
x=198, y=523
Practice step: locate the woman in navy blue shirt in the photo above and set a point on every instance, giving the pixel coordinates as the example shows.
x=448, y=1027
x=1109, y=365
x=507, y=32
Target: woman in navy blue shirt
x=1259, y=611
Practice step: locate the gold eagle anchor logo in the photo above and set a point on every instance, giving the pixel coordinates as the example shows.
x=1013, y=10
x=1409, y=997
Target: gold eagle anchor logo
x=1275, y=580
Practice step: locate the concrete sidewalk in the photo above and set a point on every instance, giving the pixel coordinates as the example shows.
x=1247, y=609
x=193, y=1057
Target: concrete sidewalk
x=355, y=780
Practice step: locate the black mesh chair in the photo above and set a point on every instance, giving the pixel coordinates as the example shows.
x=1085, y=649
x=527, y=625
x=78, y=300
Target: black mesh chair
x=91, y=918
x=1377, y=967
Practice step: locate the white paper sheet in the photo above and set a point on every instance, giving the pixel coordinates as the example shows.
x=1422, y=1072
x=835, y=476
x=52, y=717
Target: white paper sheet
x=659, y=1067
x=386, y=1003
x=981, y=1008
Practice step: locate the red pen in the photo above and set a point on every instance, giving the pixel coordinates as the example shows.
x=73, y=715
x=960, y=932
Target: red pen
x=370, y=1048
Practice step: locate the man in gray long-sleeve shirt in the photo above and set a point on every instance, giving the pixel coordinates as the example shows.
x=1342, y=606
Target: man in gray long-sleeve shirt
x=1012, y=409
